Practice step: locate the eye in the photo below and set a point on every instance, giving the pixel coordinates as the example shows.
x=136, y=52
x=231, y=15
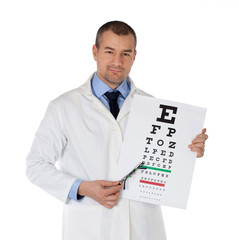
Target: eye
x=126, y=54
x=109, y=52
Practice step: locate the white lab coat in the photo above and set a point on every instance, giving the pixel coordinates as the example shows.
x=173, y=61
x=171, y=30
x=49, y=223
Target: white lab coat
x=81, y=135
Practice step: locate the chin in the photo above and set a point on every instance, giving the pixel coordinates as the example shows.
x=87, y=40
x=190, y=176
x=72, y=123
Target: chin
x=115, y=80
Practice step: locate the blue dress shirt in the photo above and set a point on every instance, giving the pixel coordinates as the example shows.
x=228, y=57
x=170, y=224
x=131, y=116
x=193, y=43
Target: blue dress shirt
x=99, y=88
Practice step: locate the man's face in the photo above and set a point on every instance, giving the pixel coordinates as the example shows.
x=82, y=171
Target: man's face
x=114, y=57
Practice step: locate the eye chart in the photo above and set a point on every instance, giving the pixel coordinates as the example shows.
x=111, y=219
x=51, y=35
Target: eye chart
x=158, y=133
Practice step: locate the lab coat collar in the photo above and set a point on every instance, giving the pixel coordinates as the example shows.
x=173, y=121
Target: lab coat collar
x=100, y=88
x=86, y=90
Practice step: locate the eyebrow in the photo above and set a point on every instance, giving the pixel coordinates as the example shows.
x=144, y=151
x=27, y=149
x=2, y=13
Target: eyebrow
x=127, y=50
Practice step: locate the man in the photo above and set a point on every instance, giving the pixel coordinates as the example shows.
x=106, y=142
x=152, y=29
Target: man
x=84, y=130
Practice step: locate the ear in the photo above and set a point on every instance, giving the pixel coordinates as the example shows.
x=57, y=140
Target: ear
x=95, y=52
x=135, y=52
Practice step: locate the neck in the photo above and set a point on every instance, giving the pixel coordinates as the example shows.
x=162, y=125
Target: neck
x=112, y=84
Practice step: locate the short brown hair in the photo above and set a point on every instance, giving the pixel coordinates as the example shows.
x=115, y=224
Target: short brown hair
x=117, y=27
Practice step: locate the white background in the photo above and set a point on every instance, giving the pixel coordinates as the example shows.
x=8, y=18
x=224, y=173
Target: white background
x=188, y=51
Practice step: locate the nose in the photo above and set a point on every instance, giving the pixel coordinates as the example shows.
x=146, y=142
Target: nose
x=117, y=60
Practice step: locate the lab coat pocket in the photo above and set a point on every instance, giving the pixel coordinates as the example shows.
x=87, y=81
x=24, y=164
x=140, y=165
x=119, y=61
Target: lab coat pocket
x=81, y=222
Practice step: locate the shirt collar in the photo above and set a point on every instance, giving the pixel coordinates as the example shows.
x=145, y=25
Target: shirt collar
x=100, y=88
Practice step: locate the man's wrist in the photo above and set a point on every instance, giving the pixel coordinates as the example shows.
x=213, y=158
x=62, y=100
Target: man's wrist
x=81, y=189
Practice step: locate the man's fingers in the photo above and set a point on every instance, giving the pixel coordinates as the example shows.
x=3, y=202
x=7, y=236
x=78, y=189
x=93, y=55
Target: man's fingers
x=202, y=135
x=199, y=151
x=198, y=143
x=112, y=190
x=109, y=183
x=204, y=130
x=200, y=139
x=113, y=197
x=104, y=192
x=111, y=200
x=111, y=187
x=199, y=148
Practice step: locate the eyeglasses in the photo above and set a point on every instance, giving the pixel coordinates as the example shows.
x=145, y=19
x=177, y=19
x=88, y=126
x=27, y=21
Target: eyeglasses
x=139, y=166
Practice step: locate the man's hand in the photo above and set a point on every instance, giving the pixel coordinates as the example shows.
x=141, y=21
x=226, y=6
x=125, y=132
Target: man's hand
x=198, y=143
x=105, y=193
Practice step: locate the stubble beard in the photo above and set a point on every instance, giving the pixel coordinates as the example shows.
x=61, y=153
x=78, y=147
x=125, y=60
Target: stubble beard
x=113, y=80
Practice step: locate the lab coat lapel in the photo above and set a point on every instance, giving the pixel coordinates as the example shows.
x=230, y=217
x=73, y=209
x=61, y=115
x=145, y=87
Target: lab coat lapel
x=97, y=104
x=128, y=101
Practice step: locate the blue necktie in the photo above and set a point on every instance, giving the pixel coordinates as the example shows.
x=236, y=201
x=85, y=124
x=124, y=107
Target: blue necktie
x=114, y=107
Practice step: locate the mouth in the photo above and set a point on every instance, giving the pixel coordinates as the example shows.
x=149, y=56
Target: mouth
x=115, y=70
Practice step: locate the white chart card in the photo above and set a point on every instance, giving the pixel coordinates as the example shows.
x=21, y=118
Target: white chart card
x=158, y=133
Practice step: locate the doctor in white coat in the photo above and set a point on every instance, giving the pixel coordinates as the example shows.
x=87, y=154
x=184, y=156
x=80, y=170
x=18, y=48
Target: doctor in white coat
x=81, y=134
